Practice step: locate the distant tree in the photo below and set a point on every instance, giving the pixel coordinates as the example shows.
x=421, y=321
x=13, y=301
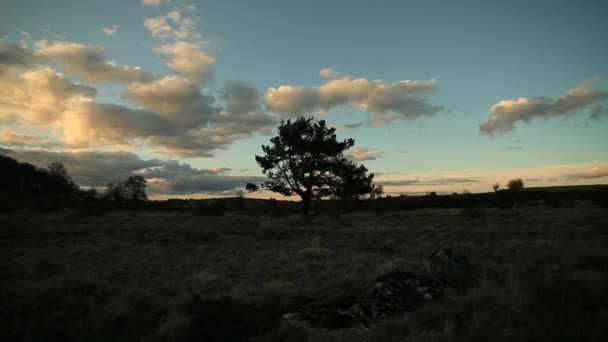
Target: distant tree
x=115, y=191
x=58, y=170
x=496, y=187
x=58, y=180
x=515, y=184
x=252, y=187
x=135, y=188
x=307, y=160
x=240, y=193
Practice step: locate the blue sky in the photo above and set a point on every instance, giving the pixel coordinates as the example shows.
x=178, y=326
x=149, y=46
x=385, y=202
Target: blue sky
x=478, y=52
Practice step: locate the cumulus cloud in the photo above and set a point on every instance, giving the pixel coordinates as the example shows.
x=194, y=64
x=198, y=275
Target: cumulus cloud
x=14, y=57
x=189, y=60
x=177, y=97
x=595, y=172
x=363, y=153
x=39, y=95
x=385, y=100
x=88, y=123
x=505, y=113
x=329, y=73
x=154, y=2
x=173, y=25
x=175, y=116
x=89, y=62
x=173, y=126
x=109, y=30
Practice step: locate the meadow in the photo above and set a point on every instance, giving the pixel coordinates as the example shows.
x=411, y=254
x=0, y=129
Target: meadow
x=153, y=275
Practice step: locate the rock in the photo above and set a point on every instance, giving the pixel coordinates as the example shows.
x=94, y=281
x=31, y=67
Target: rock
x=367, y=304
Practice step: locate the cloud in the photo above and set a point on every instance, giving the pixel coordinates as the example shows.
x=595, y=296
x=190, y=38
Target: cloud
x=598, y=112
x=39, y=95
x=154, y=2
x=176, y=97
x=431, y=181
x=110, y=30
x=595, y=172
x=98, y=168
x=88, y=123
x=362, y=153
x=13, y=138
x=174, y=115
x=173, y=25
x=173, y=124
x=506, y=113
x=177, y=178
x=329, y=73
x=385, y=100
x=14, y=57
x=189, y=60
x=89, y=62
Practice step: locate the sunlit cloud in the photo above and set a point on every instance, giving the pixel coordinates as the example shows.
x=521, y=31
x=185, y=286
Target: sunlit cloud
x=154, y=2
x=89, y=62
x=363, y=153
x=189, y=60
x=506, y=113
x=173, y=26
x=109, y=30
x=384, y=100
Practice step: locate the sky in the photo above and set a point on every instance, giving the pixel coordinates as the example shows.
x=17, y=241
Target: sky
x=439, y=95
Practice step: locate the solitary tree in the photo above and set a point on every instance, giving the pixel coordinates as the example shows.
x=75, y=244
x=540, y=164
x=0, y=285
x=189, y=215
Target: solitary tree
x=515, y=184
x=307, y=160
x=495, y=187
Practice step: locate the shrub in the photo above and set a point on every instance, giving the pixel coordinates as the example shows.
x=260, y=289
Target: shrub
x=515, y=184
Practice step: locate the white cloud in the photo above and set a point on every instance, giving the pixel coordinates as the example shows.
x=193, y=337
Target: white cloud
x=89, y=62
x=385, y=100
x=506, y=113
x=176, y=97
x=154, y=2
x=174, y=25
x=189, y=60
x=39, y=95
x=329, y=73
x=109, y=30
x=363, y=153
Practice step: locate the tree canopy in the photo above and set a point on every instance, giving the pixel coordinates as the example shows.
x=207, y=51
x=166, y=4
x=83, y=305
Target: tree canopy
x=306, y=159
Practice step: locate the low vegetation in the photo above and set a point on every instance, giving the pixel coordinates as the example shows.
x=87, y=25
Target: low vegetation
x=195, y=275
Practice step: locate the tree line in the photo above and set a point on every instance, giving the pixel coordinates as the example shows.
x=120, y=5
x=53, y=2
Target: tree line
x=54, y=179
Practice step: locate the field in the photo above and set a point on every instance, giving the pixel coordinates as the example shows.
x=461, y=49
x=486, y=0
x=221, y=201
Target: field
x=174, y=276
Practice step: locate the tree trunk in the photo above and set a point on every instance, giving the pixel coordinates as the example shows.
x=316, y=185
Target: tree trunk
x=306, y=205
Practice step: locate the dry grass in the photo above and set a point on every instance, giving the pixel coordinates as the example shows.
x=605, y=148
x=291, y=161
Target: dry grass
x=165, y=276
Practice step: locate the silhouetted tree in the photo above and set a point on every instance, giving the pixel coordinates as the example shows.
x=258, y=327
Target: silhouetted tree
x=515, y=184
x=24, y=178
x=306, y=159
x=252, y=187
x=135, y=188
x=495, y=187
x=115, y=192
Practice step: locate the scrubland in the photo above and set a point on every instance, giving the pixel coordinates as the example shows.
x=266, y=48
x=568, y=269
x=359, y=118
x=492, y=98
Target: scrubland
x=147, y=275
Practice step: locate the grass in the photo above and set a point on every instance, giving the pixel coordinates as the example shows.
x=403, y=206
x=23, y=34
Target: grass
x=175, y=276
